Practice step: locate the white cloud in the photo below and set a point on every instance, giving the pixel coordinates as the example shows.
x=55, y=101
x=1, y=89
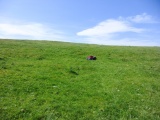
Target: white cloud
x=29, y=31
x=109, y=26
x=121, y=31
x=121, y=41
x=143, y=18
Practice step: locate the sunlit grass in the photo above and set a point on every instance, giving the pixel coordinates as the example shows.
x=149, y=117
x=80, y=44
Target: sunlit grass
x=53, y=80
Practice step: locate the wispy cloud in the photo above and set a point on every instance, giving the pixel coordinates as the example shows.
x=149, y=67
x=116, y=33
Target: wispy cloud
x=109, y=26
x=29, y=31
x=143, y=18
x=120, y=31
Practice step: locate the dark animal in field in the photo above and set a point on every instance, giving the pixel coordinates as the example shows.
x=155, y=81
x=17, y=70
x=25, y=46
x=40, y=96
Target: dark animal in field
x=91, y=58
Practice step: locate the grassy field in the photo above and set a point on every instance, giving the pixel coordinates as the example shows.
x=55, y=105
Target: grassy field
x=42, y=80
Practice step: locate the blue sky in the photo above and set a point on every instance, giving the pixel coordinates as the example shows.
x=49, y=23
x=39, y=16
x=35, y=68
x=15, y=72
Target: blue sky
x=105, y=22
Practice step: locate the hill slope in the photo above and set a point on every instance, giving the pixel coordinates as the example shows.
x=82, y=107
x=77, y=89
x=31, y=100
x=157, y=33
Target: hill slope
x=53, y=80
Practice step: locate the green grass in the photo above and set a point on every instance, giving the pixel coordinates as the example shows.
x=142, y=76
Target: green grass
x=42, y=80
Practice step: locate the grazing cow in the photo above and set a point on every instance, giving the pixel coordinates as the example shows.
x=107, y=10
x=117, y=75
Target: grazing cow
x=91, y=58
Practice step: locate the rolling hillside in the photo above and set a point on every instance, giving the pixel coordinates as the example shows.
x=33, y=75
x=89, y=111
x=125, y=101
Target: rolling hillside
x=42, y=80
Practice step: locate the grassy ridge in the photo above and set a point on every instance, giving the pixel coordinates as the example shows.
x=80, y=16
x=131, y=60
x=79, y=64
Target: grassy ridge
x=53, y=80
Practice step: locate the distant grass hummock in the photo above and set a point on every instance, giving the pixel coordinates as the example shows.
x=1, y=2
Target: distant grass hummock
x=53, y=80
